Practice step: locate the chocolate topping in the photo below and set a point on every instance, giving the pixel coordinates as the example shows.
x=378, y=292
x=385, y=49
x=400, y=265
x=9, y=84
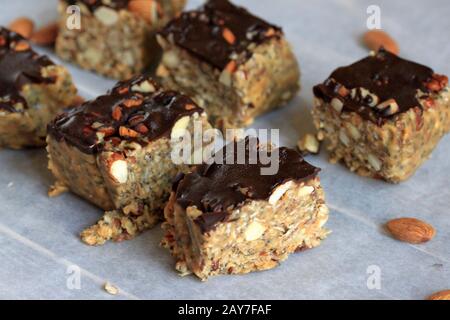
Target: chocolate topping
x=124, y=113
x=92, y=5
x=216, y=189
x=219, y=30
x=19, y=65
x=385, y=75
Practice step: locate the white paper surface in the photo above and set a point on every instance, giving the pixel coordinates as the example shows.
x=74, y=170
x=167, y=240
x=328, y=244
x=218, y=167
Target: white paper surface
x=39, y=243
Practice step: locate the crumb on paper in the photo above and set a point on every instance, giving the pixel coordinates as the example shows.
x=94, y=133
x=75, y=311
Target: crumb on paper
x=56, y=190
x=111, y=289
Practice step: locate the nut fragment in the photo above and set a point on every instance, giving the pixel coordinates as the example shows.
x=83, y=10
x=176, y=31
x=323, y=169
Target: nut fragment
x=111, y=289
x=179, y=128
x=23, y=26
x=254, y=231
x=375, y=39
x=441, y=295
x=229, y=36
x=309, y=144
x=279, y=192
x=411, y=230
x=170, y=59
x=337, y=104
x=106, y=15
x=46, y=35
x=119, y=171
x=144, y=87
x=389, y=107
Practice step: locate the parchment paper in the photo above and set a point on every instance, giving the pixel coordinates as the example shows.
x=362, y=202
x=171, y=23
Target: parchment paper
x=40, y=251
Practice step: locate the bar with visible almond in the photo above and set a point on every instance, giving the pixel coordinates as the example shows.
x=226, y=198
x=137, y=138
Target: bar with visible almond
x=234, y=64
x=232, y=218
x=116, y=152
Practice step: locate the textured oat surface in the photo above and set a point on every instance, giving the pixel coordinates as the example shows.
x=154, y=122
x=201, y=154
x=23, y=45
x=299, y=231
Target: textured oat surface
x=39, y=236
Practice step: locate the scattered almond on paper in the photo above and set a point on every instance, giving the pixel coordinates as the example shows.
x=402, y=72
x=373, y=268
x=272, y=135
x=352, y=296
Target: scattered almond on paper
x=411, y=230
x=375, y=39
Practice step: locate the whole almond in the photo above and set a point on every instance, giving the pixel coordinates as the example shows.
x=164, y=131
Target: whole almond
x=375, y=39
x=411, y=230
x=144, y=8
x=23, y=26
x=45, y=36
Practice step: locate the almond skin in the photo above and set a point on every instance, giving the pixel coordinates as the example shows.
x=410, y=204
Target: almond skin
x=375, y=39
x=45, y=36
x=142, y=8
x=441, y=295
x=23, y=26
x=411, y=230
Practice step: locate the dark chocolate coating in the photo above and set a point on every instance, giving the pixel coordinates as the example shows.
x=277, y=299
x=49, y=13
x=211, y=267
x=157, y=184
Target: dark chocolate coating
x=157, y=112
x=201, y=31
x=216, y=189
x=92, y=5
x=385, y=75
x=18, y=68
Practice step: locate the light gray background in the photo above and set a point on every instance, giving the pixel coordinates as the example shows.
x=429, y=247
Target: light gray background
x=39, y=236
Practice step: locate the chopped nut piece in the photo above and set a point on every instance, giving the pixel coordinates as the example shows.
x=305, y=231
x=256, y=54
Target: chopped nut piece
x=107, y=16
x=254, y=231
x=309, y=144
x=229, y=36
x=111, y=289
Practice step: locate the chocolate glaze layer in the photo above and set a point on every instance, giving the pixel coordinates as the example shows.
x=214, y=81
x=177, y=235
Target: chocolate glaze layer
x=122, y=114
x=18, y=68
x=216, y=189
x=385, y=75
x=201, y=32
x=92, y=5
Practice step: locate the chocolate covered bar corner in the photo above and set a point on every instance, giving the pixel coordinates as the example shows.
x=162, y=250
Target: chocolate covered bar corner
x=383, y=115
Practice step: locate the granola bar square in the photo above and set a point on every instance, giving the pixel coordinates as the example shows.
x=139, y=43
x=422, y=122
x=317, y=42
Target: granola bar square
x=383, y=115
x=115, y=151
x=116, y=38
x=227, y=218
x=234, y=64
x=32, y=91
